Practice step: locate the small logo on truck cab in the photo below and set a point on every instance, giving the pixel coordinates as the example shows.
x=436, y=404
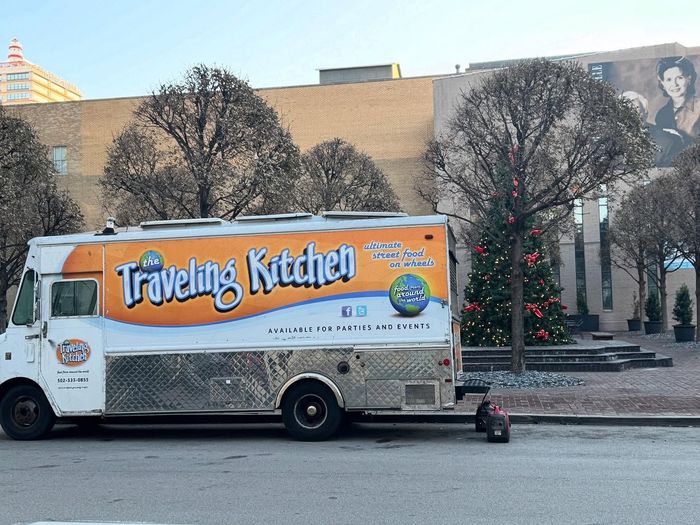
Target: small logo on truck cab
x=73, y=352
x=151, y=261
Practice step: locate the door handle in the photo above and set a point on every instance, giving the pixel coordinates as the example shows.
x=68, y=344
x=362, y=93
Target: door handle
x=44, y=329
x=33, y=336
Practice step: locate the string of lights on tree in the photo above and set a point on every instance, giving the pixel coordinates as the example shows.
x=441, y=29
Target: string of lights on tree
x=486, y=320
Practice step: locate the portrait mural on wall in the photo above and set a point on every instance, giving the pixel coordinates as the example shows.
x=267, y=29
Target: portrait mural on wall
x=665, y=92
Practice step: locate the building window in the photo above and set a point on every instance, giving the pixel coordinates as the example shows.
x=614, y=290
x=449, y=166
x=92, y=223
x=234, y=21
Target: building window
x=579, y=251
x=17, y=76
x=18, y=87
x=59, y=160
x=17, y=96
x=605, y=265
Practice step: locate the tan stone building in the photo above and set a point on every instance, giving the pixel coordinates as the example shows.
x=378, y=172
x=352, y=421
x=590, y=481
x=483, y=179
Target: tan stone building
x=391, y=119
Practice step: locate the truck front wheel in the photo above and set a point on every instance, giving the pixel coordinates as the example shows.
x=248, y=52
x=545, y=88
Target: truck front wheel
x=310, y=412
x=25, y=413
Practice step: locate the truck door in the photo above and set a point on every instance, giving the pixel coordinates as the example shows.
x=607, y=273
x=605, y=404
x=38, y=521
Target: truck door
x=72, y=361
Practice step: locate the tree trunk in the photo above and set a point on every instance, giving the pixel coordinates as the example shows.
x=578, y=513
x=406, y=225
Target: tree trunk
x=517, y=331
x=641, y=283
x=663, y=296
x=203, y=203
x=697, y=299
x=3, y=307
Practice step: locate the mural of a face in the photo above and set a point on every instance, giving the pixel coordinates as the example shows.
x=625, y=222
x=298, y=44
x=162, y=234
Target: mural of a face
x=675, y=83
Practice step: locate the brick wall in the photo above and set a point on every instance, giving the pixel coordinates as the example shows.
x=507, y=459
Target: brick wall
x=390, y=120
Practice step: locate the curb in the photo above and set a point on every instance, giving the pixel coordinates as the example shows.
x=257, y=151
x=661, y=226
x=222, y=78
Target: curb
x=614, y=420
x=535, y=419
x=438, y=417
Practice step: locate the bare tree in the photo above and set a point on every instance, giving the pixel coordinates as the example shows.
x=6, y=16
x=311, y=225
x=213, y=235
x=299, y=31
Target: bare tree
x=336, y=176
x=628, y=246
x=559, y=133
x=205, y=146
x=661, y=236
x=686, y=213
x=31, y=204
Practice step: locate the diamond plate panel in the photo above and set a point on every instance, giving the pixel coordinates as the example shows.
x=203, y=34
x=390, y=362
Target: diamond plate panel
x=220, y=380
x=447, y=393
x=406, y=365
x=382, y=393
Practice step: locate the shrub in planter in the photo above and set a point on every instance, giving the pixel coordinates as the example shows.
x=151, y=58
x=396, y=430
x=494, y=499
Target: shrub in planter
x=683, y=313
x=635, y=323
x=589, y=322
x=581, y=304
x=652, y=309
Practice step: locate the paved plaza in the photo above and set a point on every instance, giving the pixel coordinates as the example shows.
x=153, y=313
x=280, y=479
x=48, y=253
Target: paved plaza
x=672, y=391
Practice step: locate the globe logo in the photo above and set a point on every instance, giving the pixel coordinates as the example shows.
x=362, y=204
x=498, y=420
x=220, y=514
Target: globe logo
x=409, y=294
x=151, y=261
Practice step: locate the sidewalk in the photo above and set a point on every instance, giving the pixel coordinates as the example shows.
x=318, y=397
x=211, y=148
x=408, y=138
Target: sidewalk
x=672, y=391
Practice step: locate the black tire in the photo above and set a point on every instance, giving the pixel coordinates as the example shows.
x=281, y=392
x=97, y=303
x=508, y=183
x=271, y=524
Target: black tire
x=311, y=413
x=25, y=413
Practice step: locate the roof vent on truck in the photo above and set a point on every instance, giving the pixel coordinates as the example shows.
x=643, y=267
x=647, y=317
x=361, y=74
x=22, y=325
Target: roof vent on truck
x=182, y=223
x=270, y=218
x=362, y=214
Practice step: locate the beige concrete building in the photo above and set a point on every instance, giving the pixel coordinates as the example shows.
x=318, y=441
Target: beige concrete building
x=608, y=290
x=391, y=119
x=22, y=82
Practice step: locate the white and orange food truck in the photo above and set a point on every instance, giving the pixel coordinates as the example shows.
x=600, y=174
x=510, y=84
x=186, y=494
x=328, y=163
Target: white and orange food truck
x=310, y=317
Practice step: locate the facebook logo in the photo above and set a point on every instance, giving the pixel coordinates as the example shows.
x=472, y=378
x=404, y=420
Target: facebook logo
x=346, y=311
x=361, y=311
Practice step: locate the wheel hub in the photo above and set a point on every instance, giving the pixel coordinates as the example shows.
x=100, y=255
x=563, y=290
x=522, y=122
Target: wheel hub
x=25, y=412
x=311, y=411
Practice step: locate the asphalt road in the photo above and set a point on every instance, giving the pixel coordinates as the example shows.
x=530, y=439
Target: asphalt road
x=379, y=473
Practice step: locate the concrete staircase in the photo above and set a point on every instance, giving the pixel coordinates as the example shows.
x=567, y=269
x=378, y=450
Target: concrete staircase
x=588, y=356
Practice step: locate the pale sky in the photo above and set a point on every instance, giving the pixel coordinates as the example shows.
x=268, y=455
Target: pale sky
x=126, y=48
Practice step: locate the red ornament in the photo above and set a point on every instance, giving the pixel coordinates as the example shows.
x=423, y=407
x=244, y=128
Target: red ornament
x=514, y=193
x=472, y=308
x=487, y=277
x=549, y=302
x=541, y=282
x=531, y=258
x=511, y=219
x=542, y=334
x=480, y=250
x=515, y=182
x=531, y=307
x=535, y=233
x=564, y=307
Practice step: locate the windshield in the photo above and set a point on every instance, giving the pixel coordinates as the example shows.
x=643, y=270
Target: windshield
x=24, y=308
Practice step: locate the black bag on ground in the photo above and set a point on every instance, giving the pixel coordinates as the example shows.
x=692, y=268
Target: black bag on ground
x=482, y=414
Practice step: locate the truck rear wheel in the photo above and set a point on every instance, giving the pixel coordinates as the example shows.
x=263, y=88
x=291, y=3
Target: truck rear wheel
x=25, y=413
x=311, y=413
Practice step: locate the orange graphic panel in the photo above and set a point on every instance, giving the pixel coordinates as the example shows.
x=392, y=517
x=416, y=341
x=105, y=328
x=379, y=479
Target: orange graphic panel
x=180, y=282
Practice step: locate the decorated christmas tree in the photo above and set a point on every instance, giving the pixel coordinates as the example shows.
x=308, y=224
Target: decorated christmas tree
x=486, y=320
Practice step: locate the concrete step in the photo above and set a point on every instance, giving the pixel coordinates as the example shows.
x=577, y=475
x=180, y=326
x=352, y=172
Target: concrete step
x=548, y=358
x=616, y=365
x=554, y=350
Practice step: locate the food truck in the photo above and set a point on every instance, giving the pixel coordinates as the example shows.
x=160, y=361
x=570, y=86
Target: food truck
x=309, y=317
